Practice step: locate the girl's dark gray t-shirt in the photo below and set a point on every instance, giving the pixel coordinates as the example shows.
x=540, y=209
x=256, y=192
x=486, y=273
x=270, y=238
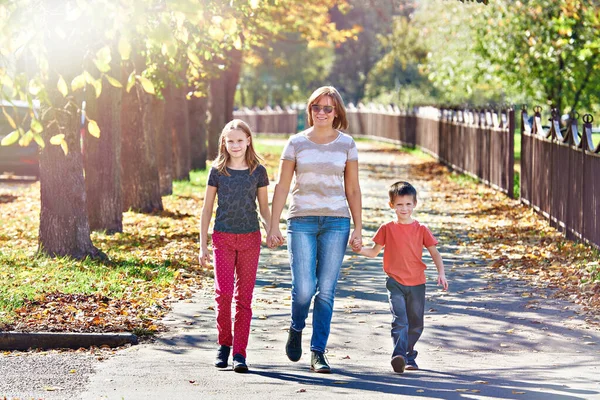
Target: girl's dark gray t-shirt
x=236, y=198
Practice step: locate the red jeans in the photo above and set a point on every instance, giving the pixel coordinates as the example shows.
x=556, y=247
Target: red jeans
x=236, y=261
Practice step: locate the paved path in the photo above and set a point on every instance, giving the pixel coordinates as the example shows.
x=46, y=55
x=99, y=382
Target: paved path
x=483, y=339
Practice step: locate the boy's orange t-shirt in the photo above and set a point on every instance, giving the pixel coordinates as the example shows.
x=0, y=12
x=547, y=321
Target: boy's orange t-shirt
x=403, y=252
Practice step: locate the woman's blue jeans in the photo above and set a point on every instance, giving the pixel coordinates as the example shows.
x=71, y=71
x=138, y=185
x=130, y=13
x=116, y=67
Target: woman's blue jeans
x=316, y=246
x=407, y=304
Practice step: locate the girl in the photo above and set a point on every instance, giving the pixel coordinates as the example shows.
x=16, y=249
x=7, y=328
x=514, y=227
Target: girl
x=325, y=162
x=238, y=178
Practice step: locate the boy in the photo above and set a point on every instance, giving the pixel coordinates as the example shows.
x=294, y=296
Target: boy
x=404, y=240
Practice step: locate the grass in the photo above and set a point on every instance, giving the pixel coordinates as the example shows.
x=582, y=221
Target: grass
x=152, y=262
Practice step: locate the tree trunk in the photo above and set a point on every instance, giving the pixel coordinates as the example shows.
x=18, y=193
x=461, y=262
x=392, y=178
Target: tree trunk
x=217, y=117
x=64, y=229
x=222, y=94
x=198, y=127
x=163, y=140
x=177, y=121
x=139, y=168
x=102, y=161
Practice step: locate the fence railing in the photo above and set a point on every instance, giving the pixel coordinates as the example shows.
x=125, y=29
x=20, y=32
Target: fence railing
x=476, y=142
x=269, y=120
x=560, y=171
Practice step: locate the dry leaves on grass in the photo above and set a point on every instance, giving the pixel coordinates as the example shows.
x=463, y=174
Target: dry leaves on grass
x=517, y=241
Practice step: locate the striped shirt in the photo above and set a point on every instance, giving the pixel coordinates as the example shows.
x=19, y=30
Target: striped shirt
x=318, y=188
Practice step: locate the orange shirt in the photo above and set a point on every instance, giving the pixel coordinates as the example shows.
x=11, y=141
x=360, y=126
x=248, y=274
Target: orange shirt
x=403, y=253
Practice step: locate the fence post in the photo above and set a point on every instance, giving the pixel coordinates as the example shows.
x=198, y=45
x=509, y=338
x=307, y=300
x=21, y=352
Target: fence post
x=511, y=153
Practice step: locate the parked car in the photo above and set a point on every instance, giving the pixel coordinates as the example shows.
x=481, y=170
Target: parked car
x=15, y=159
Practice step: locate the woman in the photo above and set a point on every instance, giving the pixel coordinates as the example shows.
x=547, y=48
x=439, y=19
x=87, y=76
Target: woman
x=325, y=162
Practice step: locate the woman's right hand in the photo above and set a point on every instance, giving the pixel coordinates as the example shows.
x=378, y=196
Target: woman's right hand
x=274, y=238
x=204, y=257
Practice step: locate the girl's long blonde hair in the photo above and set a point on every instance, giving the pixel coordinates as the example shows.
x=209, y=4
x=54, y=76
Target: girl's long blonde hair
x=252, y=158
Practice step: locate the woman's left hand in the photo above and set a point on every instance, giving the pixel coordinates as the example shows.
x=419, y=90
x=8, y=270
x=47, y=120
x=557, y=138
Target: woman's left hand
x=356, y=240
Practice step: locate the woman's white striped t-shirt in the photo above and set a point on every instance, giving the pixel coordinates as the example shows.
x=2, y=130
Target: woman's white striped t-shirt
x=318, y=188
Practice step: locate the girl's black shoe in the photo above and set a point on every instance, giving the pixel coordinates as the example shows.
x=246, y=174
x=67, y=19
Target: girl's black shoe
x=222, y=356
x=239, y=363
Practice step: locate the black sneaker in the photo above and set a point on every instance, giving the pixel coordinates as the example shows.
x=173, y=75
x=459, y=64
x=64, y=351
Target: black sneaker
x=293, y=347
x=222, y=356
x=318, y=363
x=398, y=363
x=239, y=363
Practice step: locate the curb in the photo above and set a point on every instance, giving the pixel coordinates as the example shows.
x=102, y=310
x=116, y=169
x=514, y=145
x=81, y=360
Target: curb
x=58, y=340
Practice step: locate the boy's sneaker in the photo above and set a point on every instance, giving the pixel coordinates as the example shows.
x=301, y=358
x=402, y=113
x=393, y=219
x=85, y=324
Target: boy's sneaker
x=411, y=364
x=398, y=363
x=318, y=363
x=222, y=356
x=293, y=347
x=239, y=363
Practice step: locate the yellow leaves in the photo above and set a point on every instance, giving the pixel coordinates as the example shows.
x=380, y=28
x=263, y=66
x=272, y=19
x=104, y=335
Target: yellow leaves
x=130, y=81
x=62, y=86
x=93, y=128
x=60, y=140
x=124, y=48
x=10, y=120
x=147, y=85
x=10, y=138
x=113, y=81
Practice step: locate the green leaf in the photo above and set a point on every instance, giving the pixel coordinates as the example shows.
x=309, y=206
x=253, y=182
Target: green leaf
x=103, y=59
x=97, y=84
x=130, y=81
x=113, y=81
x=35, y=87
x=57, y=139
x=102, y=67
x=146, y=84
x=103, y=55
x=78, y=82
x=26, y=139
x=193, y=58
x=11, y=121
x=93, y=128
x=62, y=86
x=88, y=77
x=124, y=49
x=36, y=126
x=10, y=138
x=38, y=139
x=64, y=147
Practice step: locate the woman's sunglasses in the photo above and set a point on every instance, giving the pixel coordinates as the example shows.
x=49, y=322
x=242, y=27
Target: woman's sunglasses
x=316, y=108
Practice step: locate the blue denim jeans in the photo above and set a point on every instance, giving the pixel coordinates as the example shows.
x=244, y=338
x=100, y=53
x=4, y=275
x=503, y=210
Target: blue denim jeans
x=316, y=247
x=407, y=304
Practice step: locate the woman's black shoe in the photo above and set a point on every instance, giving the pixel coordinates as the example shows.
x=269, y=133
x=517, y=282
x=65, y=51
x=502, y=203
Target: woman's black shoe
x=293, y=347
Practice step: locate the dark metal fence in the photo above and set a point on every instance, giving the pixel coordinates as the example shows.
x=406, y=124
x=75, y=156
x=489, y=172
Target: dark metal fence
x=476, y=142
x=560, y=170
x=269, y=120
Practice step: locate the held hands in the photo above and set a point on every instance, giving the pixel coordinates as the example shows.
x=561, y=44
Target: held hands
x=356, y=241
x=274, y=238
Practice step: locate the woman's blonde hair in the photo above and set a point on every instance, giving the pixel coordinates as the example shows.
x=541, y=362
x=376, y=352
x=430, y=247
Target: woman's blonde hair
x=340, y=121
x=252, y=158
